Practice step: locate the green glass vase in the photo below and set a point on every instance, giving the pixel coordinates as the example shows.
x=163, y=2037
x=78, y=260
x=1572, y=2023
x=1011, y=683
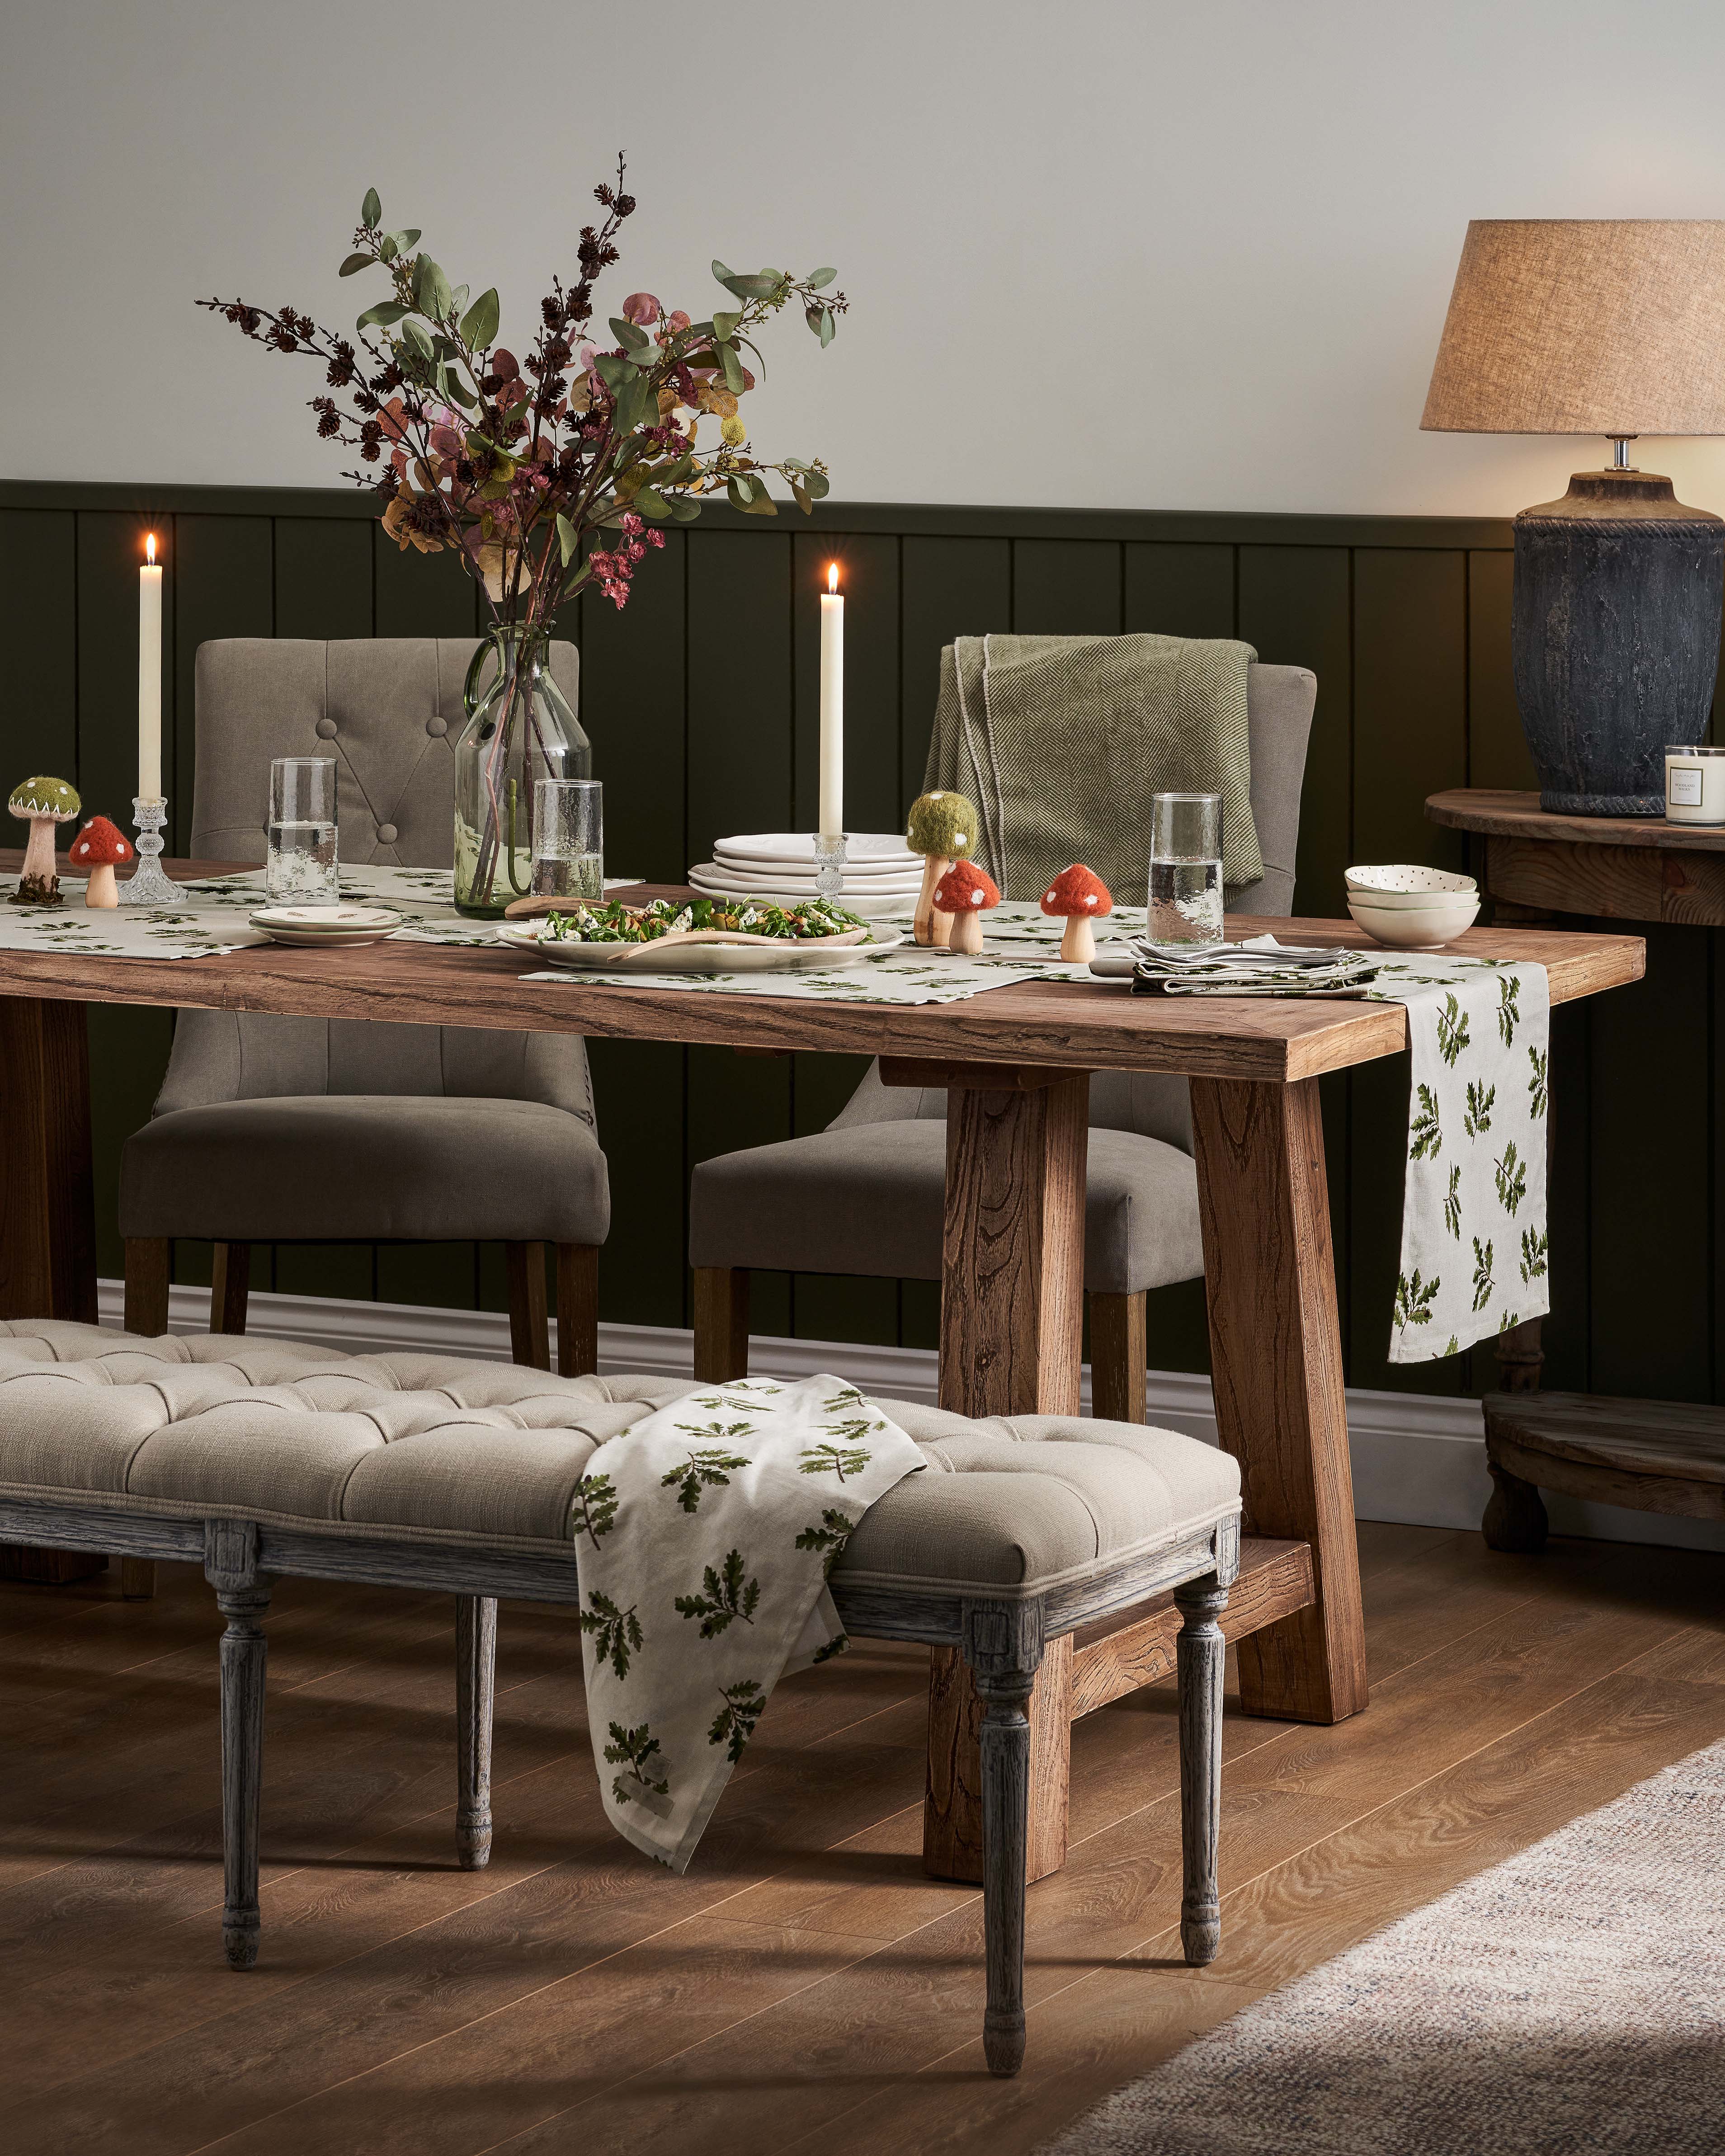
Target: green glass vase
x=520, y=729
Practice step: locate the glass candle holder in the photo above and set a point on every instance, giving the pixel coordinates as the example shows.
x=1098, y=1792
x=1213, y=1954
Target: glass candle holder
x=568, y=838
x=1185, y=902
x=300, y=866
x=1694, y=785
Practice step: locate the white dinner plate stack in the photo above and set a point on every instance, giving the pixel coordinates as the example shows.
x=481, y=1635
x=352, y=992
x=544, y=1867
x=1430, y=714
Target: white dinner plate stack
x=882, y=876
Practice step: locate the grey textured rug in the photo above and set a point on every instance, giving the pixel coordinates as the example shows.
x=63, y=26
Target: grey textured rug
x=1570, y=2002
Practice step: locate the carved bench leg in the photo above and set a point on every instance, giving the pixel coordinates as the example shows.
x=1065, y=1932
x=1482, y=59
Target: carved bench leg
x=1199, y=1653
x=230, y=1564
x=1515, y=1514
x=475, y=1670
x=1003, y=1644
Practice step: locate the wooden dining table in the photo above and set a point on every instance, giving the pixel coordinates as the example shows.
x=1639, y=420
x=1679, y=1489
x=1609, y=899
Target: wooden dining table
x=1017, y=1060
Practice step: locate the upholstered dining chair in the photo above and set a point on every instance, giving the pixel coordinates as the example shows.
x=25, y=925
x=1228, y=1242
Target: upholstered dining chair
x=286, y=1130
x=866, y=1195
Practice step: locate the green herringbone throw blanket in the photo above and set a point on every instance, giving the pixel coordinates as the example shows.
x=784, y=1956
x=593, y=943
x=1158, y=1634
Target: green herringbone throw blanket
x=1062, y=741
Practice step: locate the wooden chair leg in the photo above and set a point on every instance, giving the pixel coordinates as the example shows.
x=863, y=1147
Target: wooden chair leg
x=229, y=1287
x=1119, y=1348
x=529, y=1325
x=722, y=1324
x=147, y=1265
x=577, y=1310
x=137, y=1577
x=1199, y=1653
x=1002, y=1644
x=475, y=1676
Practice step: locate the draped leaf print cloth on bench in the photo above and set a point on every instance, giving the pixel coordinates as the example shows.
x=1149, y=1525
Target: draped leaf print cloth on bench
x=706, y=1534
x=1474, y=1236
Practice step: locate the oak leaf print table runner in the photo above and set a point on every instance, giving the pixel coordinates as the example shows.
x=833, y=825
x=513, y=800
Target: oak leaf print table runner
x=1473, y=1249
x=706, y=1534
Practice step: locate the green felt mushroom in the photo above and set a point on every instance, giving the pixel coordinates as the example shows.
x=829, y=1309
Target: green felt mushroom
x=45, y=802
x=942, y=828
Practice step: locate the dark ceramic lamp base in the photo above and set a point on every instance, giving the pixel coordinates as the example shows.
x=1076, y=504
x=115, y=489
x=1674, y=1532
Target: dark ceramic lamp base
x=1616, y=638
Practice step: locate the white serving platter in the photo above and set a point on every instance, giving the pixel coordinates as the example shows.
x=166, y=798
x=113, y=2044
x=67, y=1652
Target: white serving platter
x=701, y=950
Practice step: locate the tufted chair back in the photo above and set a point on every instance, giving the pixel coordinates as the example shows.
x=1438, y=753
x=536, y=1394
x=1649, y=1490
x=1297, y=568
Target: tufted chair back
x=388, y=709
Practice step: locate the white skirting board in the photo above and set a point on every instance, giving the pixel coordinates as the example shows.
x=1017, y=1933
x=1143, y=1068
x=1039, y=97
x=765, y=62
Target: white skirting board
x=1416, y=1459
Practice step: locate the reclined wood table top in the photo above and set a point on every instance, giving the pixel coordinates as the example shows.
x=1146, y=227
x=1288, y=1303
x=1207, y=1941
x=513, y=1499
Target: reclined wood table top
x=1089, y=1025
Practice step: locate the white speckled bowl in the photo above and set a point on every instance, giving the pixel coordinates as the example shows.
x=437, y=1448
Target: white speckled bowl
x=1404, y=885
x=1446, y=915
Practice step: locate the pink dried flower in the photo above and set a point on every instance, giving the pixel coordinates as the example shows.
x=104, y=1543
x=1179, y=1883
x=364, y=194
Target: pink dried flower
x=640, y=308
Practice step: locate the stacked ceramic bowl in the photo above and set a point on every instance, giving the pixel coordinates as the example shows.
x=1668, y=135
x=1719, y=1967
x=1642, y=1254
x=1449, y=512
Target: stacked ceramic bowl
x=882, y=876
x=1411, y=908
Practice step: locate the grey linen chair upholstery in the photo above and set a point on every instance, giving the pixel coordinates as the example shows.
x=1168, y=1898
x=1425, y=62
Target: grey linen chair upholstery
x=866, y=1195
x=312, y=1130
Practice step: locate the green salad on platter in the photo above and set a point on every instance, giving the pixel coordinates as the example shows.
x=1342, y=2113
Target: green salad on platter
x=616, y=923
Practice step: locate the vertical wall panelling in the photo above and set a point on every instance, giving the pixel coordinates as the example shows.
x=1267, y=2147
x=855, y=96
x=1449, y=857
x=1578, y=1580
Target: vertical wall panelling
x=701, y=699
x=1651, y=1110
x=1178, y=590
x=323, y=577
x=38, y=625
x=1296, y=610
x=951, y=588
x=1496, y=748
x=1066, y=587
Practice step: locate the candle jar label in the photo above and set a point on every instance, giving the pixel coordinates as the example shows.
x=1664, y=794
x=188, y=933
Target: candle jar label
x=1685, y=787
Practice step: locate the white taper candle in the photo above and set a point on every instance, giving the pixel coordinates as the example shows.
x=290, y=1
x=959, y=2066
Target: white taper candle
x=150, y=677
x=831, y=823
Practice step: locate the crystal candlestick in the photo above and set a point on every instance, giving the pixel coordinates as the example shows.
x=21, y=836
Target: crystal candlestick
x=829, y=864
x=148, y=884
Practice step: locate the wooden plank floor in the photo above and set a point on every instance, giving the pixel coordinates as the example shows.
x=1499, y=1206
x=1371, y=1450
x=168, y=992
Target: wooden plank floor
x=804, y=1986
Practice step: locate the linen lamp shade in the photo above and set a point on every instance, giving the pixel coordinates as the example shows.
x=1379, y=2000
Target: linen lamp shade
x=1600, y=326
x=1584, y=326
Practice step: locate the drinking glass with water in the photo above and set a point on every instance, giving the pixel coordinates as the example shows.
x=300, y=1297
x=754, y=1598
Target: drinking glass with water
x=299, y=859
x=568, y=838
x=1185, y=906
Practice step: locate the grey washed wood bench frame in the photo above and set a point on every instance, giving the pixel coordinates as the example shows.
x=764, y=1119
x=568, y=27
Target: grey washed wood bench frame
x=1001, y=1637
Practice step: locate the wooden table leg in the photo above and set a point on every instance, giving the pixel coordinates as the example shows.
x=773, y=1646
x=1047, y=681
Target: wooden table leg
x=1012, y=1327
x=1275, y=1359
x=47, y=1200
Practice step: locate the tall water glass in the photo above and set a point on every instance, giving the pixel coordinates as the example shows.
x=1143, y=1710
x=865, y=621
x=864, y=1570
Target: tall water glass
x=568, y=838
x=299, y=859
x=1185, y=906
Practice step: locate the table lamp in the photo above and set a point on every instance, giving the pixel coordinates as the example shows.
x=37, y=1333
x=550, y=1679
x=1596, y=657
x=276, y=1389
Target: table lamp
x=1614, y=326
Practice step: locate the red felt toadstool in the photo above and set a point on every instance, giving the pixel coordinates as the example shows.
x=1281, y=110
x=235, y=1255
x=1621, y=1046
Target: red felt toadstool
x=1078, y=896
x=967, y=893
x=96, y=849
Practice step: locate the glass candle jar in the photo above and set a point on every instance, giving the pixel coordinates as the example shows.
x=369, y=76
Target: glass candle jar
x=1694, y=785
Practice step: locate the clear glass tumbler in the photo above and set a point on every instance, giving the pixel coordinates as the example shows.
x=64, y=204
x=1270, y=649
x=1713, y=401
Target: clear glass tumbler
x=1185, y=904
x=568, y=838
x=299, y=858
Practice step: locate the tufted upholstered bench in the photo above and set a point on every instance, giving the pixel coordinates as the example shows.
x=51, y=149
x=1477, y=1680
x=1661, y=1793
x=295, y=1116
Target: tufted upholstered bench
x=259, y=1458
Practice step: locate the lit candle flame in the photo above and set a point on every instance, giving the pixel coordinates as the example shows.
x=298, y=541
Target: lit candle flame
x=150, y=546
x=832, y=576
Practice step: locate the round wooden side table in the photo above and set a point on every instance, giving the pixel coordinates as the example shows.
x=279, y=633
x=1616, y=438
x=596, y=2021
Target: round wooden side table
x=1646, y=1456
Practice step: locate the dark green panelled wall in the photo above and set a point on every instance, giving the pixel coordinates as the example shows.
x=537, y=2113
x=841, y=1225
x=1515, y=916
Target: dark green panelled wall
x=701, y=701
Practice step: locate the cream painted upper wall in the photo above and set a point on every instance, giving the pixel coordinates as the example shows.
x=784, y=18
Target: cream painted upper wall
x=1144, y=255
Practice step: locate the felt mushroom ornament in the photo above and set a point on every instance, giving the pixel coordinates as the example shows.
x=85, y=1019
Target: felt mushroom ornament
x=942, y=828
x=963, y=895
x=1078, y=896
x=46, y=802
x=96, y=849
